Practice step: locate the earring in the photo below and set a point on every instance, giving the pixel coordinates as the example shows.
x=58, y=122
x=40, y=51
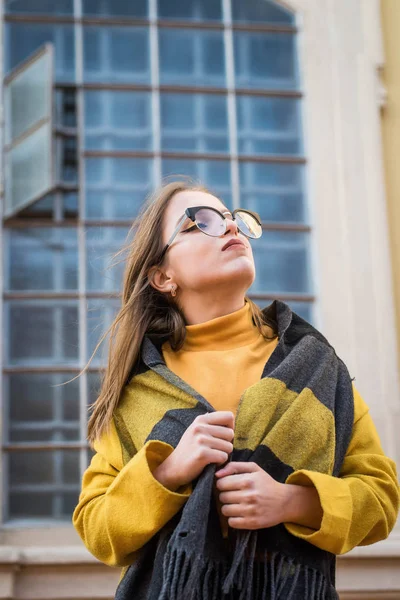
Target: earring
x=173, y=291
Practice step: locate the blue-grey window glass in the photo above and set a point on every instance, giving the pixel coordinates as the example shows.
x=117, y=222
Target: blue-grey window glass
x=67, y=159
x=303, y=309
x=118, y=120
x=22, y=39
x=115, y=187
x=40, y=7
x=116, y=54
x=115, y=8
x=216, y=174
x=100, y=314
x=191, y=10
x=194, y=122
x=41, y=208
x=65, y=107
x=265, y=60
x=40, y=409
x=43, y=484
x=275, y=191
x=269, y=125
x=70, y=205
x=261, y=11
x=93, y=386
x=45, y=207
x=28, y=132
x=281, y=259
x=191, y=57
x=42, y=332
x=104, y=271
x=28, y=169
x=28, y=96
x=42, y=259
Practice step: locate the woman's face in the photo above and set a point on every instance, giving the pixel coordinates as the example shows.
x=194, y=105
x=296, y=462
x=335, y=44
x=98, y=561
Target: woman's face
x=197, y=262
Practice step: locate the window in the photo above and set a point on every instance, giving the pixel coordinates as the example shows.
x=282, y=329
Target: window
x=206, y=88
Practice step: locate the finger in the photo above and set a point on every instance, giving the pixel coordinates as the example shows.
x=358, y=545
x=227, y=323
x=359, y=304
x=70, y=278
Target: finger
x=232, y=483
x=218, y=444
x=237, y=467
x=231, y=497
x=239, y=523
x=232, y=510
x=217, y=431
x=220, y=417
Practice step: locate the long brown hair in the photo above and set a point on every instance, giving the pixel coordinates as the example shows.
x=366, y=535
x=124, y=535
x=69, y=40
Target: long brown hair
x=144, y=310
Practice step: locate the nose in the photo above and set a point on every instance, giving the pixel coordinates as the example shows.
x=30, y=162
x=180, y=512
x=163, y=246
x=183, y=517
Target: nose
x=231, y=227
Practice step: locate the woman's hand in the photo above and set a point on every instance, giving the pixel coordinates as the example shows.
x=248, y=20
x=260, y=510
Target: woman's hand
x=252, y=499
x=207, y=440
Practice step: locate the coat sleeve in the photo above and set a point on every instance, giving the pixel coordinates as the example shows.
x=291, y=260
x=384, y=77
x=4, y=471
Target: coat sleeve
x=360, y=506
x=121, y=507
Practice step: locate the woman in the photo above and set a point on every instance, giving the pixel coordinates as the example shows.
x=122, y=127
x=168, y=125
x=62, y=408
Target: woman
x=196, y=496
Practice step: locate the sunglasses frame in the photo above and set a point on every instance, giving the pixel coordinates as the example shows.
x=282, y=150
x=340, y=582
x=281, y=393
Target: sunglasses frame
x=191, y=214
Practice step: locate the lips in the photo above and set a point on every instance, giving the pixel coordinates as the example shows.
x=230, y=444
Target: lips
x=233, y=242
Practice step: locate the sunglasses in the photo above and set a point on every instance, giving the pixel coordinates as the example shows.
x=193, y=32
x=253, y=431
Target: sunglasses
x=214, y=223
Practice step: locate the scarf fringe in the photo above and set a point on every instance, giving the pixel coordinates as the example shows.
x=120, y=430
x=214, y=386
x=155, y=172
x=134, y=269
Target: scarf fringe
x=190, y=577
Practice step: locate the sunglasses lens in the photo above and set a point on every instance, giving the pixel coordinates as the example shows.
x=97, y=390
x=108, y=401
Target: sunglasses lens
x=248, y=225
x=210, y=222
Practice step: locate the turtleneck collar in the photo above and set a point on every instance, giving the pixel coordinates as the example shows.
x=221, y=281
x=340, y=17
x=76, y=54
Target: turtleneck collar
x=223, y=333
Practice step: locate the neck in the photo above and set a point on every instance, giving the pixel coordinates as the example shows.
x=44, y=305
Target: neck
x=200, y=309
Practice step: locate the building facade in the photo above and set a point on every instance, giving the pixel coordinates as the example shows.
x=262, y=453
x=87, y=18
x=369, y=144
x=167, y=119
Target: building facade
x=277, y=107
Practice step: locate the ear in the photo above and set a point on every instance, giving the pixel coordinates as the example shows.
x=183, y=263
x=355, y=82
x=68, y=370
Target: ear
x=160, y=280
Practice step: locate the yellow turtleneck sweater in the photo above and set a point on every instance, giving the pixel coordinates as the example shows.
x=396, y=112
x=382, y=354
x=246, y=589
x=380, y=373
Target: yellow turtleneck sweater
x=221, y=358
x=122, y=506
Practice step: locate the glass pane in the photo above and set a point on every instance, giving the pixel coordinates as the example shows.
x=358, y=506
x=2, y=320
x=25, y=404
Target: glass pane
x=102, y=243
x=94, y=385
x=265, y=60
x=42, y=259
x=118, y=120
x=42, y=332
x=192, y=10
x=40, y=412
x=67, y=159
x=44, y=208
x=215, y=175
x=28, y=97
x=194, y=123
x=28, y=170
x=303, y=309
x=261, y=11
x=281, y=260
x=116, y=8
x=117, y=187
x=70, y=204
x=51, y=477
x=22, y=39
x=116, y=54
x=268, y=125
x=191, y=57
x=41, y=208
x=66, y=108
x=100, y=314
x=44, y=7
x=275, y=191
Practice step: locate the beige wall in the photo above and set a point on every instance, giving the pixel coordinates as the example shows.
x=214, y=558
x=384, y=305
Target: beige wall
x=390, y=14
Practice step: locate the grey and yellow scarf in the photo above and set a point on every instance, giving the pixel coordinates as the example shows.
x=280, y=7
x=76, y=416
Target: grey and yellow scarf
x=299, y=415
